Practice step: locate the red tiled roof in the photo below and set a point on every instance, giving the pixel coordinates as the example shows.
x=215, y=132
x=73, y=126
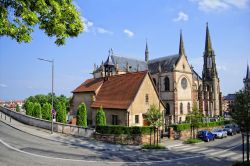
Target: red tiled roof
x=89, y=85
x=119, y=91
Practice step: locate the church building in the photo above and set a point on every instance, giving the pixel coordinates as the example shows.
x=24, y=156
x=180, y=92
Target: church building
x=246, y=80
x=178, y=85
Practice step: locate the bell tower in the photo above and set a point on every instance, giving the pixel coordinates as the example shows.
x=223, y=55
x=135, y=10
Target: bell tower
x=109, y=66
x=211, y=82
x=246, y=80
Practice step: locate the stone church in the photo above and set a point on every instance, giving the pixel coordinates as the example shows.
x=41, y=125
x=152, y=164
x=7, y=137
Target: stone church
x=246, y=80
x=178, y=84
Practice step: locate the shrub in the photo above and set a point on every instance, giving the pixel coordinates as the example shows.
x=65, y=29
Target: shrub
x=192, y=141
x=37, y=110
x=81, y=117
x=181, y=127
x=17, y=108
x=118, y=130
x=153, y=146
x=29, y=108
x=46, y=111
x=100, y=117
x=61, y=113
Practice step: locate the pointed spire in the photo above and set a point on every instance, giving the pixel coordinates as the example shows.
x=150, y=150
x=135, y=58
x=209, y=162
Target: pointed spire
x=208, y=44
x=181, y=45
x=248, y=74
x=146, y=52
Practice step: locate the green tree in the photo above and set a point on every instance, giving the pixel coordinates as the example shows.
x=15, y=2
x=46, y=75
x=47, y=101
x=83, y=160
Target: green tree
x=154, y=117
x=37, y=111
x=81, y=118
x=17, y=108
x=194, y=118
x=58, y=18
x=61, y=113
x=241, y=114
x=100, y=117
x=29, y=108
x=46, y=111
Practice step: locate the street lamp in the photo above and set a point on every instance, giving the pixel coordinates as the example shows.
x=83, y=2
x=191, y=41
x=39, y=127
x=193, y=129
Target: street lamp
x=52, y=89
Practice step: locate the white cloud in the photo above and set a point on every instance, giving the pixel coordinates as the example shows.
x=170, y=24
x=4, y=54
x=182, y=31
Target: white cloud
x=220, y=5
x=181, y=17
x=3, y=85
x=128, y=32
x=102, y=30
x=89, y=27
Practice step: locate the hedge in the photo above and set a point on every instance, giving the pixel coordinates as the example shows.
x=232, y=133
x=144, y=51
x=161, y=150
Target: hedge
x=118, y=130
x=186, y=126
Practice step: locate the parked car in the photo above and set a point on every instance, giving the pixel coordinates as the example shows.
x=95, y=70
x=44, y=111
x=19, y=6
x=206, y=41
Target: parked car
x=219, y=133
x=206, y=135
x=237, y=128
x=231, y=130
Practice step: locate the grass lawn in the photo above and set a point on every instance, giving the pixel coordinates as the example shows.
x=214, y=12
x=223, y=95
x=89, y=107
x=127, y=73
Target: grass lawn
x=192, y=141
x=152, y=146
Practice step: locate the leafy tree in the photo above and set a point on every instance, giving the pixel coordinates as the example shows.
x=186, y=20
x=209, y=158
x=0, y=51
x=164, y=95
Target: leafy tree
x=100, y=117
x=58, y=18
x=81, y=118
x=29, y=108
x=46, y=111
x=37, y=110
x=17, y=108
x=194, y=117
x=154, y=117
x=241, y=114
x=61, y=113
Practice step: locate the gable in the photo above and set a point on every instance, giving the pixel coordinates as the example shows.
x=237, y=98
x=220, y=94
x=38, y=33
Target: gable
x=182, y=65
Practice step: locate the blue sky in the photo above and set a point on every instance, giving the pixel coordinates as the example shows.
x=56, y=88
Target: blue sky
x=124, y=25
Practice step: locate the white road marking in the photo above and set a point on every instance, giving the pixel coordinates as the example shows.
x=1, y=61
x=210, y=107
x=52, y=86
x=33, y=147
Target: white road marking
x=114, y=162
x=228, y=154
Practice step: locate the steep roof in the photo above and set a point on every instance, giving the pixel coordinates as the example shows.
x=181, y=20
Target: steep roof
x=230, y=97
x=119, y=91
x=167, y=63
x=196, y=75
x=133, y=64
x=89, y=85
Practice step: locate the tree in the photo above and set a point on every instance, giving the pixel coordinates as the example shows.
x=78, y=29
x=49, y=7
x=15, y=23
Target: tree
x=100, y=117
x=46, y=111
x=154, y=117
x=37, y=110
x=17, y=108
x=194, y=117
x=58, y=18
x=61, y=113
x=81, y=117
x=241, y=114
x=29, y=108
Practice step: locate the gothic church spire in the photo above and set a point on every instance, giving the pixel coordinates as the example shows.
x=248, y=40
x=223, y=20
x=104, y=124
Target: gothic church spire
x=181, y=45
x=146, y=52
x=208, y=44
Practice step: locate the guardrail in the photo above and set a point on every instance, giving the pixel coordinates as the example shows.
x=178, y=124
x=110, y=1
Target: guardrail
x=45, y=124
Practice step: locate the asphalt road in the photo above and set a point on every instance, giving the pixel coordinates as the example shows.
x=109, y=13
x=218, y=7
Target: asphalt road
x=19, y=148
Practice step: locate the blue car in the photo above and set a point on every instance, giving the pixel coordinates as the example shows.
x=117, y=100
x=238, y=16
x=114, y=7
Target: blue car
x=206, y=135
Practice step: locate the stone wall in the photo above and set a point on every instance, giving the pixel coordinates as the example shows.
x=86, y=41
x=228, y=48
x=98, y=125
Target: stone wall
x=45, y=124
x=125, y=139
x=185, y=134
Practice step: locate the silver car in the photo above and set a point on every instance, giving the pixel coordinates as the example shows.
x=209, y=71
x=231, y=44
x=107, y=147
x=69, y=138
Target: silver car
x=219, y=133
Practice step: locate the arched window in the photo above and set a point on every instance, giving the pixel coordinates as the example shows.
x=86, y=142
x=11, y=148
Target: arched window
x=181, y=108
x=154, y=80
x=166, y=83
x=167, y=109
x=188, y=108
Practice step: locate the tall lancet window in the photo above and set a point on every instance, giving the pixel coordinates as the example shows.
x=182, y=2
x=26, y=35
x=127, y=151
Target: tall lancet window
x=209, y=62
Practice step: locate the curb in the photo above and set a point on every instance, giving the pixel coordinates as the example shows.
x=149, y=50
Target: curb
x=73, y=144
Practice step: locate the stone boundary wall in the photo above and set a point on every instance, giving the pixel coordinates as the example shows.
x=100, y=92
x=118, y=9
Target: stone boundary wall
x=125, y=139
x=185, y=134
x=45, y=124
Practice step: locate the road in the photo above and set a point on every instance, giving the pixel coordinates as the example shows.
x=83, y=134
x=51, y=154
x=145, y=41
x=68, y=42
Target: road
x=19, y=148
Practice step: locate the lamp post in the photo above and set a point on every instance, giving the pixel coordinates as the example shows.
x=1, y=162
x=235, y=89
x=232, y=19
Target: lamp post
x=52, y=89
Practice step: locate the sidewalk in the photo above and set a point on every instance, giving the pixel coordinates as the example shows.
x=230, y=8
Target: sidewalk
x=77, y=141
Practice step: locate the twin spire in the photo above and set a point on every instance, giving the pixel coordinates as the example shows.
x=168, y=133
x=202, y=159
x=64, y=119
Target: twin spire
x=208, y=43
x=181, y=45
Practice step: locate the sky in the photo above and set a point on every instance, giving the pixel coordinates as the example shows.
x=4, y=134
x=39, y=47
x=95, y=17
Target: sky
x=124, y=26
